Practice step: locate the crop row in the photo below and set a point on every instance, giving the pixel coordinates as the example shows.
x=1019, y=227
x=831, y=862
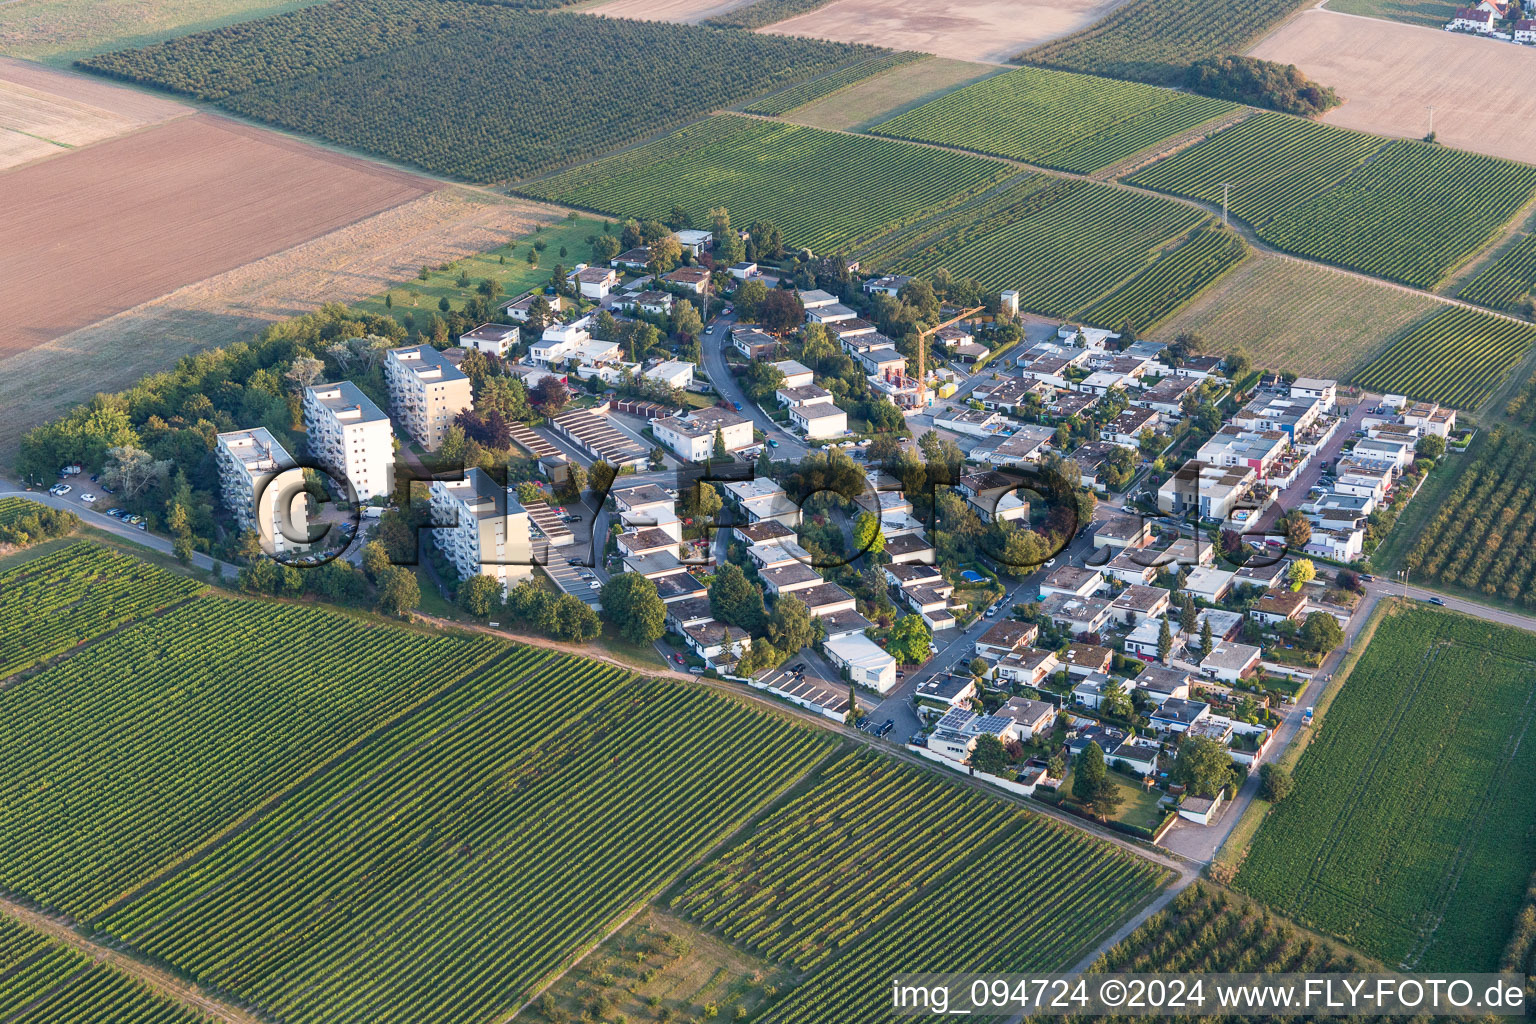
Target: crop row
x=758, y=13
x=1264, y=165
x=1411, y=214
x=826, y=191
x=1434, y=707
x=1063, y=891
x=1165, y=286
x=1483, y=537
x=1156, y=40
x=66, y=597
x=123, y=759
x=1054, y=118
x=41, y=982
x=1062, y=246
x=476, y=91
x=1511, y=278
x=826, y=85
x=1457, y=356
x=463, y=856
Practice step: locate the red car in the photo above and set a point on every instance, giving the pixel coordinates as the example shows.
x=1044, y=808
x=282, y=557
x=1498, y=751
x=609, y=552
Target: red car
x=677, y=657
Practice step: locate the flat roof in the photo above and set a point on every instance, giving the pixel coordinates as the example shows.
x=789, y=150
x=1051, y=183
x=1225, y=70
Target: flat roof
x=347, y=401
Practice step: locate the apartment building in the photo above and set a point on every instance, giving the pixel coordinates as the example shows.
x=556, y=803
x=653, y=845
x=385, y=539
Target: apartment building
x=692, y=435
x=351, y=437
x=426, y=391
x=482, y=529
x=249, y=461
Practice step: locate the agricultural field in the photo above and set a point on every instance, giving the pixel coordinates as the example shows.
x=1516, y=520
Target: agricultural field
x=467, y=853
x=1171, y=282
x=1390, y=74
x=129, y=755
x=45, y=982
x=1213, y=930
x=1155, y=40
x=60, y=31
x=66, y=597
x=1425, y=13
x=520, y=105
x=350, y=264
x=1063, y=244
x=1299, y=317
x=1437, y=706
x=1480, y=538
x=826, y=85
x=1273, y=161
x=866, y=103
x=1412, y=214
x=981, y=30
x=24, y=522
x=827, y=191
x=1508, y=280
x=101, y=229
x=1055, y=119
x=758, y=13
x=1456, y=357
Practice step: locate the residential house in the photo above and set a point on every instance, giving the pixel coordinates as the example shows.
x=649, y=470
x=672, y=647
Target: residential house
x=1122, y=533
x=1071, y=581
x=1281, y=606
x=521, y=308
x=1028, y=667
x=787, y=579
x=1177, y=714
x=1136, y=603
x=492, y=339
x=1126, y=428
x=694, y=240
x=692, y=435
x=945, y=692
x=865, y=661
x=1230, y=662
x=754, y=343
x=693, y=279
x=818, y=420
x=1031, y=718
x=796, y=374
x=1211, y=585
x=1201, y=489
x=714, y=640
x=1137, y=753
x=596, y=282
x=1005, y=638
x=1471, y=19
x=907, y=548
x=1162, y=683
x=891, y=285
x=1081, y=659
x=994, y=496
x=761, y=500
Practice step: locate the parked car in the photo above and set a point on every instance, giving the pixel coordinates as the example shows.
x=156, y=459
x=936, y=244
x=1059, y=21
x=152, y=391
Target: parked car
x=736, y=406
x=61, y=489
x=798, y=668
x=918, y=740
x=87, y=497
x=677, y=657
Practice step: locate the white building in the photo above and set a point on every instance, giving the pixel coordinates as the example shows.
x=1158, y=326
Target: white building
x=796, y=374
x=426, y=391
x=492, y=339
x=818, y=421
x=351, y=437
x=674, y=373
x=596, y=282
x=481, y=528
x=865, y=661
x=692, y=435
x=250, y=461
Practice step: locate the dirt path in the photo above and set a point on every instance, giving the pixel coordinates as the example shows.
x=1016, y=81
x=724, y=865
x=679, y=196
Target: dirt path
x=160, y=982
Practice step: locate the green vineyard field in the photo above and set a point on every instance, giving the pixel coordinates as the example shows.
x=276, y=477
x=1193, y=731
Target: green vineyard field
x=481, y=92
x=1412, y=214
x=764, y=12
x=1273, y=163
x=1176, y=278
x=1508, y=280
x=65, y=597
x=1457, y=356
x=456, y=862
x=127, y=756
x=826, y=85
x=1156, y=40
x=1062, y=244
x=1482, y=538
x=1055, y=119
x=1408, y=834
x=827, y=191
x=44, y=983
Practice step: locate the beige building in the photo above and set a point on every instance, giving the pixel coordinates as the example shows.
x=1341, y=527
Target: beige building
x=427, y=392
x=250, y=461
x=351, y=437
x=482, y=529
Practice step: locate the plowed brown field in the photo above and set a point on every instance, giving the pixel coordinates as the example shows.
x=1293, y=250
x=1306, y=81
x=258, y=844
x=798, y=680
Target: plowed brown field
x=106, y=227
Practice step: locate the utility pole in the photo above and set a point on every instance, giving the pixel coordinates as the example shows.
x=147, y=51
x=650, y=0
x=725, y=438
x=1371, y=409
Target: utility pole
x=1226, y=189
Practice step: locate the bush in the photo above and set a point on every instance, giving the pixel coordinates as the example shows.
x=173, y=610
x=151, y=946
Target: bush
x=1262, y=83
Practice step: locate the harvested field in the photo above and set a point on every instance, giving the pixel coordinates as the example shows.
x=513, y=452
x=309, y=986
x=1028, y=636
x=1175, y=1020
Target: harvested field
x=1389, y=74
x=58, y=31
x=346, y=265
x=103, y=229
x=687, y=12
x=44, y=112
x=895, y=92
x=1295, y=316
x=987, y=30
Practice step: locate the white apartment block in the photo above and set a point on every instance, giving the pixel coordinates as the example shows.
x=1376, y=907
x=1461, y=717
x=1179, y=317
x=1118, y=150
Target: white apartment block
x=692, y=436
x=491, y=339
x=427, y=392
x=350, y=437
x=249, y=461
x=482, y=529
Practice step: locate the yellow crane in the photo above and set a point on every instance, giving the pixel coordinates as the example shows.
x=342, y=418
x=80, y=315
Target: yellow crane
x=922, y=351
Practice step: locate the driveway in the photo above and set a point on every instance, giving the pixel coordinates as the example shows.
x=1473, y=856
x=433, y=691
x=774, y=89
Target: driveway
x=1296, y=494
x=719, y=371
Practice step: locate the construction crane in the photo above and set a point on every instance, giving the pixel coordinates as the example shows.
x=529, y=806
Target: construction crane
x=922, y=352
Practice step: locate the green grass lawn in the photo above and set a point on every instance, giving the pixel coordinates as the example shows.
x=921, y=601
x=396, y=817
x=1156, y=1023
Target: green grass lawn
x=1138, y=804
x=1429, y=13
x=507, y=265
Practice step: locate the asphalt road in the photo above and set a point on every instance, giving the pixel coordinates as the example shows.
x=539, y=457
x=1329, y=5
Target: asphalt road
x=713, y=347
x=100, y=520
x=1296, y=494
